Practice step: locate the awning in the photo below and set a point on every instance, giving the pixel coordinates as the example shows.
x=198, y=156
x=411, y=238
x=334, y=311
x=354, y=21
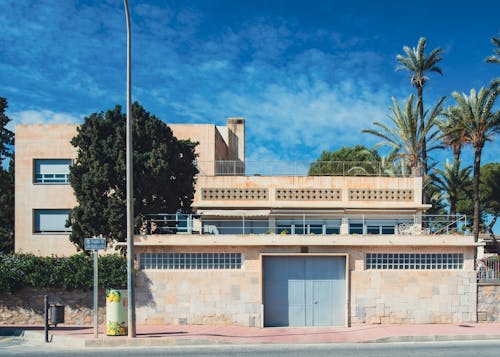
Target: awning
x=233, y=213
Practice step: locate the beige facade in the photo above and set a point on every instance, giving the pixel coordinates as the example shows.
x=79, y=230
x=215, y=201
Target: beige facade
x=36, y=142
x=374, y=296
x=213, y=267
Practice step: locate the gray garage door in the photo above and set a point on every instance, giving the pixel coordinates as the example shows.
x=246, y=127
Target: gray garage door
x=304, y=291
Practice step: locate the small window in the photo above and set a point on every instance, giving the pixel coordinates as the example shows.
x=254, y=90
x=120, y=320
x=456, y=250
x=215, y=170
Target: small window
x=284, y=229
x=388, y=230
x=414, y=261
x=49, y=221
x=373, y=230
x=355, y=228
x=332, y=230
x=183, y=261
x=50, y=171
x=316, y=229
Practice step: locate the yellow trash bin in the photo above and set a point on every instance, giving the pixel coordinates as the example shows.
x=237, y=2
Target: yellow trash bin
x=116, y=312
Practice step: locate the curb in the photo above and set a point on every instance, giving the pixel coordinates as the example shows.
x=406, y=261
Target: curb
x=57, y=340
x=142, y=342
x=436, y=338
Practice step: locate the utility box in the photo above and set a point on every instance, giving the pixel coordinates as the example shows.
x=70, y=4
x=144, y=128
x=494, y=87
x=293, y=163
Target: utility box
x=56, y=314
x=116, y=312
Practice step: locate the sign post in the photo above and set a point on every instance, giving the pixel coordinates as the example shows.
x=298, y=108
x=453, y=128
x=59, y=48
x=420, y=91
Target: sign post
x=95, y=244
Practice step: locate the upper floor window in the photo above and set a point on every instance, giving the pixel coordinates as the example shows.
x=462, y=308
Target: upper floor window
x=375, y=226
x=47, y=221
x=356, y=227
x=49, y=171
x=307, y=226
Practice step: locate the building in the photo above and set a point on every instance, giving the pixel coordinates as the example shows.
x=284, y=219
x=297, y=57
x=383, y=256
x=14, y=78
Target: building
x=268, y=250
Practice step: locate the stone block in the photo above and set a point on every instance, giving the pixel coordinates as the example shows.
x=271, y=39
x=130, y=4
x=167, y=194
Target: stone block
x=181, y=321
x=425, y=292
x=373, y=320
x=482, y=316
x=360, y=312
x=235, y=292
x=388, y=320
x=252, y=308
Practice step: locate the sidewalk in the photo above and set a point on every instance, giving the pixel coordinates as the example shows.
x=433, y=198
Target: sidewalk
x=205, y=335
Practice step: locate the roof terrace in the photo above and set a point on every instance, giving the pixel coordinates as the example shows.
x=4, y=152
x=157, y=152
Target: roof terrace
x=301, y=168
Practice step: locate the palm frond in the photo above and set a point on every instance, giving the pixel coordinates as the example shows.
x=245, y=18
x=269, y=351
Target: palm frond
x=493, y=58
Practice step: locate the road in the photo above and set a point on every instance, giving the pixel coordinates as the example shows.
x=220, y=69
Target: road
x=427, y=349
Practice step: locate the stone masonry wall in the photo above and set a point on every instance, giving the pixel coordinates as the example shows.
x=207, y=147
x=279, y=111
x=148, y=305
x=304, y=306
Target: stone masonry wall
x=488, y=302
x=226, y=296
x=408, y=296
x=25, y=307
x=190, y=297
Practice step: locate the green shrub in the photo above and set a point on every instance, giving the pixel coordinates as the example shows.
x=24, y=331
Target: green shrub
x=74, y=272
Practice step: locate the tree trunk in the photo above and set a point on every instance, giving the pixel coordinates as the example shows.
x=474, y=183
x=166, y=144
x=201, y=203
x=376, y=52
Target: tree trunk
x=424, y=141
x=457, y=150
x=475, y=186
x=492, y=223
x=453, y=211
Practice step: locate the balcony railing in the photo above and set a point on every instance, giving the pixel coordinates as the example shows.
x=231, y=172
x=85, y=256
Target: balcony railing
x=305, y=224
x=300, y=168
x=488, y=270
x=52, y=178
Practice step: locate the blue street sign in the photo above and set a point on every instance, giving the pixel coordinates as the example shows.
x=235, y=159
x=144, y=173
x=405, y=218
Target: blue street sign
x=95, y=243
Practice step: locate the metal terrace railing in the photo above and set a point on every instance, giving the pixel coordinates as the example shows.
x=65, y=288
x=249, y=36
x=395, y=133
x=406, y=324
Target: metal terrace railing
x=304, y=224
x=300, y=168
x=488, y=269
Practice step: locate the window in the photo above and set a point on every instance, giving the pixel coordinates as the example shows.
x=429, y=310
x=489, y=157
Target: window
x=49, y=171
x=308, y=226
x=315, y=229
x=380, y=229
x=355, y=228
x=190, y=261
x=374, y=226
x=47, y=221
x=414, y=261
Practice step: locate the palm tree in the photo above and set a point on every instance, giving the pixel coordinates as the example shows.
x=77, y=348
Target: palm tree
x=405, y=136
x=494, y=59
x=418, y=63
x=450, y=182
x=475, y=116
x=453, y=133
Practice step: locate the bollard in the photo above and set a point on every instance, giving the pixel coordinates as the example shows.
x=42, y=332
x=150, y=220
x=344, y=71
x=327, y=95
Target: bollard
x=46, y=316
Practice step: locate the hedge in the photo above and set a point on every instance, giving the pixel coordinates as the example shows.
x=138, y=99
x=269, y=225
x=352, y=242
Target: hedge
x=74, y=272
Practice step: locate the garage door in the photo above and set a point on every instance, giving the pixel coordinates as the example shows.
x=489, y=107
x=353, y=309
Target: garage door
x=304, y=291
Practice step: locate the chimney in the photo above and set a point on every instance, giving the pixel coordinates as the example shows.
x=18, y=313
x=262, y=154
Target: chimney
x=236, y=139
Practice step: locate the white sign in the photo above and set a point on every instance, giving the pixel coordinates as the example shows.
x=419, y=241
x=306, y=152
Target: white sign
x=95, y=243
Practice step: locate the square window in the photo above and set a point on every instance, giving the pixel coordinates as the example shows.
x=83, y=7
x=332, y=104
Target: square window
x=51, y=171
x=50, y=221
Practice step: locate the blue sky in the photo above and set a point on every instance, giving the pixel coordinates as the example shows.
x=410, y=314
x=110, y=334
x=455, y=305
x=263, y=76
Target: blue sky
x=306, y=75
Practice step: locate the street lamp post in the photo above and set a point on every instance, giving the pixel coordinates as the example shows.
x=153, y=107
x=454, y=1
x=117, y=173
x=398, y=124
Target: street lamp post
x=130, y=187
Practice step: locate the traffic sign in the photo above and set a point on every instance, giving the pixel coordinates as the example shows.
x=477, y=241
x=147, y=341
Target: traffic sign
x=95, y=243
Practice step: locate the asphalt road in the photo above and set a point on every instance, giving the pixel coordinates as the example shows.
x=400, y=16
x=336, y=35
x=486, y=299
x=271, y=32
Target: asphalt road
x=428, y=349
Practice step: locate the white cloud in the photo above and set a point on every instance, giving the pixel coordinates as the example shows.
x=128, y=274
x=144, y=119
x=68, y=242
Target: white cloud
x=301, y=92
x=43, y=117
